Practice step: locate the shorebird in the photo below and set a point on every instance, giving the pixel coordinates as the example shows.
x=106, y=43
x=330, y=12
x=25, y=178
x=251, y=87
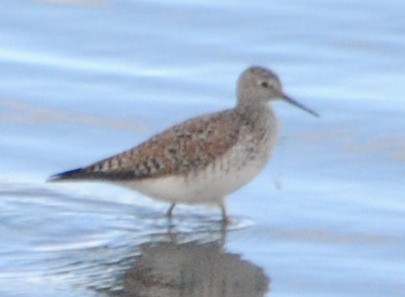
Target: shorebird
x=205, y=158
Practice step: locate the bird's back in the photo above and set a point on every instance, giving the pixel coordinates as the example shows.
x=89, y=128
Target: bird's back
x=186, y=147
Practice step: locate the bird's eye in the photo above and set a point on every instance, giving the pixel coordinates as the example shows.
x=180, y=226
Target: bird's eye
x=265, y=84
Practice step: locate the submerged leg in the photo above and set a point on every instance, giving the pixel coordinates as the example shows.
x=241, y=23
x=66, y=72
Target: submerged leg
x=169, y=213
x=225, y=219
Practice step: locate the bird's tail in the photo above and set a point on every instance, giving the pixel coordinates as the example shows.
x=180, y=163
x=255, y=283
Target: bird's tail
x=78, y=173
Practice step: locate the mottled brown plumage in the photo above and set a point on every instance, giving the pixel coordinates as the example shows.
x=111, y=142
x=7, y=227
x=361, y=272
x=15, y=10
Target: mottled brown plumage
x=184, y=148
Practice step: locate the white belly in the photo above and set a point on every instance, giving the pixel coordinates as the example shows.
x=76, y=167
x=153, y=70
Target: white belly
x=208, y=186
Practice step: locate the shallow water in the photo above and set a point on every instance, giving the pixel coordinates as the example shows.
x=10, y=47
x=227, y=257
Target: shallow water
x=85, y=79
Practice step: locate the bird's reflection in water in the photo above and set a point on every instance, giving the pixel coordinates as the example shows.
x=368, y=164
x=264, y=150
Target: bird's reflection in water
x=177, y=267
x=100, y=250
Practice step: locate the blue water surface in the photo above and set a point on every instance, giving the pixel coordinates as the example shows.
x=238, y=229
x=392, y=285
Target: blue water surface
x=85, y=79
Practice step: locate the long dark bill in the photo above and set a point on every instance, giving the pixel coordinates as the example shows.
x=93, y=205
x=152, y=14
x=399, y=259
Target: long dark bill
x=299, y=105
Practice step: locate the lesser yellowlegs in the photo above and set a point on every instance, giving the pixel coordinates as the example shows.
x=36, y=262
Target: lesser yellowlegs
x=203, y=159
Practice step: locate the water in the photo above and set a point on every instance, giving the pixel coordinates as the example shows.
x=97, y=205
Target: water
x=82, y=80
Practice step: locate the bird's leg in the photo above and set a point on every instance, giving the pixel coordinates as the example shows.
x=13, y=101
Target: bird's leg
x=225, y=220
x=169, y=213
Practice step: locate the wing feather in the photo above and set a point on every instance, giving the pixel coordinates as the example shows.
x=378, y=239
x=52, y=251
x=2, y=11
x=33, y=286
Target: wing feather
x=185, y=147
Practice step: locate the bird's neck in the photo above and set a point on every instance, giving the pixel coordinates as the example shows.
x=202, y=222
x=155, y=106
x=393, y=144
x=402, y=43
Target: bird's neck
x=252, y=106
x=259, y=114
